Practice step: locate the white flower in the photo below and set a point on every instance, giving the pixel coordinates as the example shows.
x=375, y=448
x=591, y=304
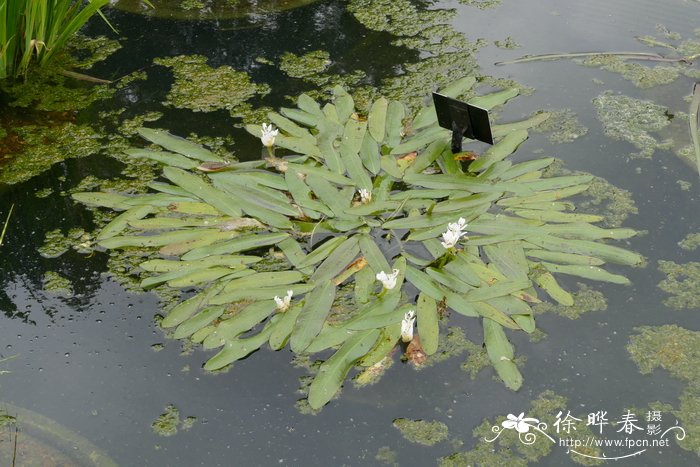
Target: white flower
x=365, y=195
x=388, y=280
x=407, y=326
x=454, y=233
x=268, y=135
x=459, y=225
x=521, y=424
x=283, y=303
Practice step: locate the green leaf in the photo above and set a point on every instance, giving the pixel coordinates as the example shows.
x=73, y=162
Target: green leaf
x=509, y=258
x=502, y=149
x=164, y=157
x=155, y=240
x=242, y=321
x=344, y=104
x=555, y=216
x=240, y=243
x=305, y=118
x=302, y=194
x=369, y=153
x=428, y=323
x=492, y=100
x=376, y=119
x=587, y=272
x=199, y=276
x=280, y=334
x=424, y=283
x=527, y=167
x=321, y=252
x=500, y=352
x=374, y=256
x=184, y=310
x=119, y=223
x=394, y=123
x=498, y=289
x=421, y=140
x=317, y=305
x=564, y=258
x=337, y=261
x=349, y=152
x=388, y=338
x=308, y=104
x=588, y=248
x=290, y=127
x=198, y=321
x=179, y=145
x=550, y=285
x=164, y=265
x=201, y=189
x=238, y=348
x=333, y=371
x=258, y=293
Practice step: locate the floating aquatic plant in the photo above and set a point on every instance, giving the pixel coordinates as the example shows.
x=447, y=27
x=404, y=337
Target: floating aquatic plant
x=357, y=210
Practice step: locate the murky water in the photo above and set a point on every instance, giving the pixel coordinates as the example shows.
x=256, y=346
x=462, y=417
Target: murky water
x=88, y=361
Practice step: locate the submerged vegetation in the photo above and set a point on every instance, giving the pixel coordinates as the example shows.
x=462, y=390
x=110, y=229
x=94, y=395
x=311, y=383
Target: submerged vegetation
x=360, y=198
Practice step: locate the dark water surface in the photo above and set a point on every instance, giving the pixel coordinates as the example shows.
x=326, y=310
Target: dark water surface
x=87, y=361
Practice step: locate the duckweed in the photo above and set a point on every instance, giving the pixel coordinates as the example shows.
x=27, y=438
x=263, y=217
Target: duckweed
x=57, y=284
x=690, y=242
x=386, y=456
x=640, y=75
x=563, y=127
x=202, y=88
x=628, y=119
x=422, y=431
x=44, y=146
x=682, y=282
x=309, y=66
x=166, y=424
x=507, y=43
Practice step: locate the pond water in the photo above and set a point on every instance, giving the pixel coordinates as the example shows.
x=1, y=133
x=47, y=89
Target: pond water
x=95, y=360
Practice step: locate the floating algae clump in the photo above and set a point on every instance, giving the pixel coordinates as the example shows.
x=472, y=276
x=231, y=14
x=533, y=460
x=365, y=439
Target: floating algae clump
x=676, y=350
x=670, y=347
x=386, y=456
x=628, y=119
x=307, y=66
x=640, y=75
x=563, y=127
x=690, y=242
x=421, y=431
x=201, y=88
x=41, y=147
x=57, y=284
x=683, y=283
x=168, y=423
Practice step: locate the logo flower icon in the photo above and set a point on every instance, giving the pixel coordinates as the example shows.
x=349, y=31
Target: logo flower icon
x=519, y=423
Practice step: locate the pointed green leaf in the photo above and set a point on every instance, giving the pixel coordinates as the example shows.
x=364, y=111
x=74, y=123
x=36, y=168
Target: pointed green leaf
x=333, y=371
x=317, y=305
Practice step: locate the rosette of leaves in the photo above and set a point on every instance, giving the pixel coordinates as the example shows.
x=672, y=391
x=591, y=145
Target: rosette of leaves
x=211, y=223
